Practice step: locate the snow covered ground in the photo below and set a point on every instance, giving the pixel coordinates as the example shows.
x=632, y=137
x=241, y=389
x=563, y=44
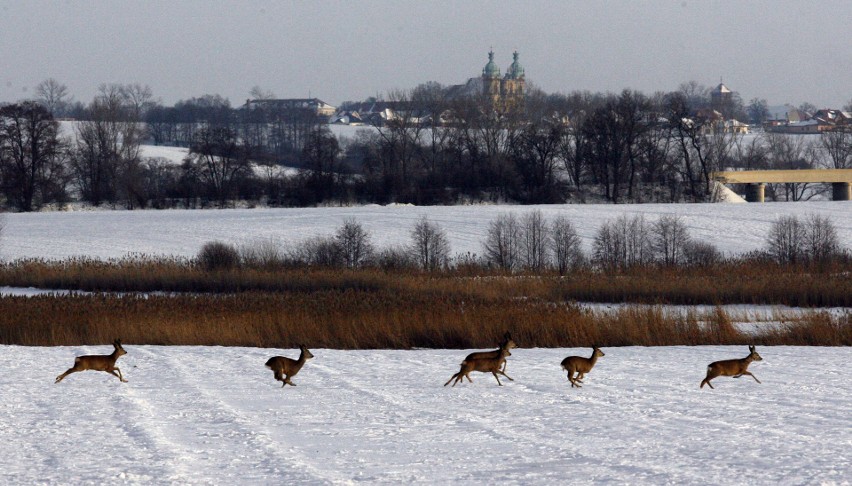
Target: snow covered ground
x=209, y=415
x=212, y=415
x=733, y=228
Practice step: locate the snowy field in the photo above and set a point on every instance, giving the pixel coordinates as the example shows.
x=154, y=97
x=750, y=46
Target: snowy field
x=733, y=228
x=205, y=415
x=210, y=415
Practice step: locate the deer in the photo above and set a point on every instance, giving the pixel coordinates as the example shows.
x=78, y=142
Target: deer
x=286, y=368
x=506, y=344
x=581, y=366
x=483, y=365
x=731, y=367
x=98, y=362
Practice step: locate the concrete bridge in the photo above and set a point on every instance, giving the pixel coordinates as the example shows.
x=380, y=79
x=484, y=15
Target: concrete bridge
x=840, y=180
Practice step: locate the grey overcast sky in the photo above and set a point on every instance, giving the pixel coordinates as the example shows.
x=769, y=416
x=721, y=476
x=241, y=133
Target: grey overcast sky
x=786, y=51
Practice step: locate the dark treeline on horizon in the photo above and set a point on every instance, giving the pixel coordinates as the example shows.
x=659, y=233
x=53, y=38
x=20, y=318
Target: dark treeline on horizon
x=427, y=145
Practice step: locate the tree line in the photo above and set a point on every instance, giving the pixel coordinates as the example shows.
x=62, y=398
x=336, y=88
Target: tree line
x=529, y=243
x=436, y=147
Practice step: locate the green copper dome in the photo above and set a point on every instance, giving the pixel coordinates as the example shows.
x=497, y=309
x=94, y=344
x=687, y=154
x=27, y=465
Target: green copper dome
x=515, y=71
x=491, y=70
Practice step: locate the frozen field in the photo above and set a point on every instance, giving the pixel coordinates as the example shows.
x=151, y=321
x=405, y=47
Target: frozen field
x=733, y=228
x=203, y=415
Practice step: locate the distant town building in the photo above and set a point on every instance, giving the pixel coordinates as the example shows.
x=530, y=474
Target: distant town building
x=721, y=98
x=316, y=105
x=824, y=120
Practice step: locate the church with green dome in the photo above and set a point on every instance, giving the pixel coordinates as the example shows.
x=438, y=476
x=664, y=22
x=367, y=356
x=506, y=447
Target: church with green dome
x=503, y=91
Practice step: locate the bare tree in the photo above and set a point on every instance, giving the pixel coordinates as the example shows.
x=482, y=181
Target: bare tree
x=689, y=132
x=107, y=147
x=564, y=245
x=786, y=152
x=139, y=99
x=502, y=246
x=623, y=243
x=430, y=247
x=837, y=147
x=218, y=159
x=400, y=130
x=758, y=111
x=785, y=240
x=534, y=250
x=670, y=239
x=53, y=95
x=820, y=242
x=31, y=156
x=321, y=159
x=258, y=93
x=354, y=243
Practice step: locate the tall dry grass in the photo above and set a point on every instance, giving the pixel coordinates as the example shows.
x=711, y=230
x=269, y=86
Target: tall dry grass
x=370, y=308
x=368, y=320
x=738, y=282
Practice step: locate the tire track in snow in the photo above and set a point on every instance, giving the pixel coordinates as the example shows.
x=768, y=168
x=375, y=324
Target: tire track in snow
x=507, y=437
x=245, y=438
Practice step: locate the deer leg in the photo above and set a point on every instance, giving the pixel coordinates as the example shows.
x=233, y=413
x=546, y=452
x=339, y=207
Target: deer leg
x=710, y=375
x=120, y=376
x=496, y=378
x=504, y=374
x=749, y=374
x=63, y=375
x=113, y=373
x=451, y=379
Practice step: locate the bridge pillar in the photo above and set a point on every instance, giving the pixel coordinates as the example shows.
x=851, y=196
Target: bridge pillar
x=754, y=192
x=841, y=191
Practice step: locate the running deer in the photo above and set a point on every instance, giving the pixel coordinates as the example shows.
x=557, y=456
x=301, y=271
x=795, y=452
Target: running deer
x=98, y=362
x=581, y=366
x=506, y=344
x=483, y=365
x=731, y=367
x=286, y=368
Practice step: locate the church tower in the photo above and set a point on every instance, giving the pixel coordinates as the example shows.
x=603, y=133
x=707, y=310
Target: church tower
x=514, y=83
x=491, y=80
x=504, y=92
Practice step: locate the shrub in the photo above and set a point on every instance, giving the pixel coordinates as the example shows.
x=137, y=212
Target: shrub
x=700, y=254
x=394, y=258
x=216, y=255
x=264, y=253
x=319, y=251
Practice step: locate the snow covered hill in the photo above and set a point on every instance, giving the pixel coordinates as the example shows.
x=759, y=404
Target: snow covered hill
x=209, y=415
x=733, y=228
